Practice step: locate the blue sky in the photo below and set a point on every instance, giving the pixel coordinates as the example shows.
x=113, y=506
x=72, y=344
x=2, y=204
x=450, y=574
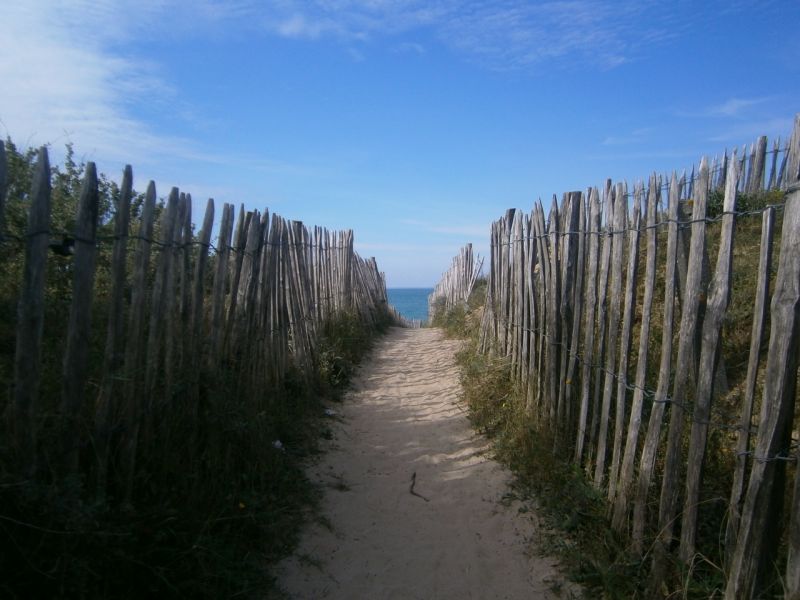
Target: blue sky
x=415, y=123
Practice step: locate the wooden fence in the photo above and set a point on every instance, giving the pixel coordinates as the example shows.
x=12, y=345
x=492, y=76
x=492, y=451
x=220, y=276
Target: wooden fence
x=565, y=298
x=456, y=283
x=179, y=309
x=403, y=321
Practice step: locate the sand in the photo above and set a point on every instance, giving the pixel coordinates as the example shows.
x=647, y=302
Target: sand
x=469, y=539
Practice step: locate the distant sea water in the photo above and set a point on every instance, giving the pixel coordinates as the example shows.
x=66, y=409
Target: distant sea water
x=412, y=303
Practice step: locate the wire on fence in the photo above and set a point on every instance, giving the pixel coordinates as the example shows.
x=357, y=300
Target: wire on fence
x=685, y=224
x=8, y=238
x=648, y=393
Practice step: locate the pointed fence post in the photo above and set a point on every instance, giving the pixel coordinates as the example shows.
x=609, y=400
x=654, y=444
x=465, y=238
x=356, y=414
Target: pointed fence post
x=76, y=354
x=3, y=189
x=106, y=408
x=30, y=318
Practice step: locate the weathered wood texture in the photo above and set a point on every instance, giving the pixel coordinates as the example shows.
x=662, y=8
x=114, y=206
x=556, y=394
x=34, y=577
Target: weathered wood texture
x=626, y=474
x=107, y=407
x=3, y=189
x=456, y=283
x=745, y=421
x=30, y=319
x=563, y=308
x=76, y=353
x=256, y=306
x=755, y=548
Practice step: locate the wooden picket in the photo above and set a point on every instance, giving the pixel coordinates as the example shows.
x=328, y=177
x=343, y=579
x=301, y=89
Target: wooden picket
x=30, y=320
x=562, y=309
x=456, y=283
x=273, y=287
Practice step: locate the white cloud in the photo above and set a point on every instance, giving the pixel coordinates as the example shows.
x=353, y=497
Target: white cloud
x=731, y=108
x=69, y=76
x=410, y=48
x=299, y=26
x=501, y=34
x=734, y=107
x=773, y=128
x=61, y=84
x=634, y=137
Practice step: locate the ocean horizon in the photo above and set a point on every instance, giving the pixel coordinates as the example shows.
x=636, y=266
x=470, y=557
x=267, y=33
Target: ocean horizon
x=412, y=303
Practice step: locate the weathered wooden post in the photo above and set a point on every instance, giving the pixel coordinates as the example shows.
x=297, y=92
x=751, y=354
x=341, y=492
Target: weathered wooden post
x=670, y=487
x=3, y=189
x=30, y=318
x=717, y=306
x=745, y=420
x=106, y=408
x=629, y=309
x=620, y=514
x=76, y=354
x=134, y=356
x=754, y=553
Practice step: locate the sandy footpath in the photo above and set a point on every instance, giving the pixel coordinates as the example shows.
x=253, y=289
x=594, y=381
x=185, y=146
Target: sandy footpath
x=382, y=542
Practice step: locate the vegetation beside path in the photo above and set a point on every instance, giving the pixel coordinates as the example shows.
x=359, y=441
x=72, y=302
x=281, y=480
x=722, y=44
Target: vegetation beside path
x=202, y=526
x=576, y=512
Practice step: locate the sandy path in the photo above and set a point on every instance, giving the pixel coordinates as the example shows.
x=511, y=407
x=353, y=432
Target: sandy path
x=400, y=418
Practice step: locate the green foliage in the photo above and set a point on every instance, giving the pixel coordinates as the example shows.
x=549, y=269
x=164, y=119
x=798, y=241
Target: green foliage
x=201, y=529
x=578, y=531
x=462, y=320
x=744, y=202
x=573, y=509
x=201, y=523
x=344, y=342
x=453, y=321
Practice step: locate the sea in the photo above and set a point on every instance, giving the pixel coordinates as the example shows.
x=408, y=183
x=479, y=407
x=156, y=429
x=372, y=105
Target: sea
x=412, y=303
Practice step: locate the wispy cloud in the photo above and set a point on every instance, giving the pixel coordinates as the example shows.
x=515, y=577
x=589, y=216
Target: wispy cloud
x=645, y=154
x=734, y=107
x=501, y=34
x=410, y=48
x=70, y=77
x=65, y=85
x=300, y=26
x=636, y=136
x=781, y=126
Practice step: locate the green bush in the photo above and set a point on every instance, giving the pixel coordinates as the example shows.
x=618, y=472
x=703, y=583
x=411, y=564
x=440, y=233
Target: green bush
x=218, y=497
x=744, y=202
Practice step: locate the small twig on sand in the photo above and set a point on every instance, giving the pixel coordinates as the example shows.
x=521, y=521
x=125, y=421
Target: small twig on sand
x=411, y=489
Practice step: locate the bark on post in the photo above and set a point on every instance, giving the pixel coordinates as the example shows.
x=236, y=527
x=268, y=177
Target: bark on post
x=30, y=318
x=625, y=342
x=3, y=189
x=745, y=421
x=618, y=232
x=567, y=316
x=648, y=458
x=602, y=314
x=694, y=288
x=134, y=357
x=754, y=547
x=718, y=299
x=106, y=410
x=589, y=326
x=76, y=354
x=620, y=515
x=577, y=294
x=216, y=353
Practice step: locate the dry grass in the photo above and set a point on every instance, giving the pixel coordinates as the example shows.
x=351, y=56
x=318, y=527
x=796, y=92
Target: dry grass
x=575, y=510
